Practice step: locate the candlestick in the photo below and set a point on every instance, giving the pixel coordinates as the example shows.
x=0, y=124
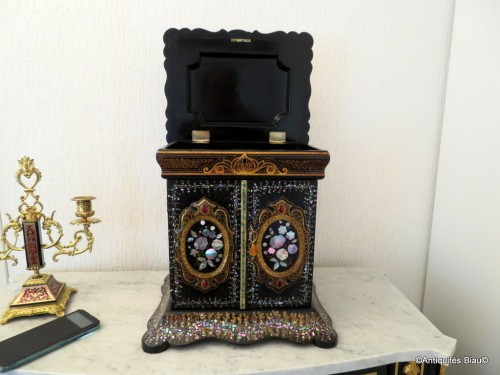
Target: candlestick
x=42, y=293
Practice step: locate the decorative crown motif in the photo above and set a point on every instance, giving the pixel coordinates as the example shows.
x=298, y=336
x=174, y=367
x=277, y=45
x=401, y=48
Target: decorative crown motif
x=245, y=165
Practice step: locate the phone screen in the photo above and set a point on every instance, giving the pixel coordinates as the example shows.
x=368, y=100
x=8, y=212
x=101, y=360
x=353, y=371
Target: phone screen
x=47, y=337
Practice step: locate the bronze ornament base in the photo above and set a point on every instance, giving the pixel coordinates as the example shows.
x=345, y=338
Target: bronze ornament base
x=169, y=327
x=39, y=295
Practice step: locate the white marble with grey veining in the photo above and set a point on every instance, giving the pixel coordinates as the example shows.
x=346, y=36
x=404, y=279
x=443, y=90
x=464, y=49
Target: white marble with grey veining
x=375, y=322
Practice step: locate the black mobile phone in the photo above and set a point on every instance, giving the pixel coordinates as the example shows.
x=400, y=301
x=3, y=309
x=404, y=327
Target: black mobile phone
x=27, y=346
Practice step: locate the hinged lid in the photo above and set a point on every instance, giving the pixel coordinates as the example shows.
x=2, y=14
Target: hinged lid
x=238, y=85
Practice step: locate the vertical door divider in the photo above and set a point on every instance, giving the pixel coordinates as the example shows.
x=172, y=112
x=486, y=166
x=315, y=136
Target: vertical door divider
x=243, y=245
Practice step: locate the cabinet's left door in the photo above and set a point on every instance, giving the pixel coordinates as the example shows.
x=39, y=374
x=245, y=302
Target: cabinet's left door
x=203, y=226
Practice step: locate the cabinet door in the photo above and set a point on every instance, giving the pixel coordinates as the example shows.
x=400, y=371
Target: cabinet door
x=204, y=258
x=281, y=218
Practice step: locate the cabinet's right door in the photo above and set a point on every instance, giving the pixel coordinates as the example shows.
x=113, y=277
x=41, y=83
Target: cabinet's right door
x=281, y=217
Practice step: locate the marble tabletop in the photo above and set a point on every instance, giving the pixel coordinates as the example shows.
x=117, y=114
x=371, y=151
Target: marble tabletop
x=376, y=325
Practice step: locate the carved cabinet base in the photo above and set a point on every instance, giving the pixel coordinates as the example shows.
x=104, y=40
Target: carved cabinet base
x=169, y=327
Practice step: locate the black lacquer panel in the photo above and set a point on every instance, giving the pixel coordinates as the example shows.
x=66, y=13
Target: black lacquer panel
x=187, y=292
x=232, y=89
x=237, y=84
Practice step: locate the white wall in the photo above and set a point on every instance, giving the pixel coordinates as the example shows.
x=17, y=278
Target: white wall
x=82, y=93
x=463, y=282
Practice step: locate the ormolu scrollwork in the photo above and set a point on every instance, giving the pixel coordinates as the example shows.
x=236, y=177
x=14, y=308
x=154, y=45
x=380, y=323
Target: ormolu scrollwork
x=411, y=368
x=42, y=293
x=31, y=209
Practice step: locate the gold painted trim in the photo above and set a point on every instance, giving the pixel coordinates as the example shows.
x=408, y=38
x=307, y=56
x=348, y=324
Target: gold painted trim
x=182, y=173
x=245, y=165
x=204, y=209
x=243, y=246
x=442, y=370
x=397, y=368
x=279, y=281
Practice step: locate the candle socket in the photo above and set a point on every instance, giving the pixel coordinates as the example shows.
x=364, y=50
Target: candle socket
x=84, y=211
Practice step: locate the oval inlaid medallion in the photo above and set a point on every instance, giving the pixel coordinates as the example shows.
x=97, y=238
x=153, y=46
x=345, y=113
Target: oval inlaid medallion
x=204, y=246
x=280, y=245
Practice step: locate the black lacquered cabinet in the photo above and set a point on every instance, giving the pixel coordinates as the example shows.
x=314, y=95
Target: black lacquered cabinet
x=241, y=190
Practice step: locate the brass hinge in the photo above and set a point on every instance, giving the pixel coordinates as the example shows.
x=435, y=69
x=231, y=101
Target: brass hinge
x=200, y=136
x=277, y=137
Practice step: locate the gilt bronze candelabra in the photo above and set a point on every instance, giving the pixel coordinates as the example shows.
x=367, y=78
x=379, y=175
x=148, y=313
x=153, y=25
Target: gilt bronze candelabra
x=42, y=293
